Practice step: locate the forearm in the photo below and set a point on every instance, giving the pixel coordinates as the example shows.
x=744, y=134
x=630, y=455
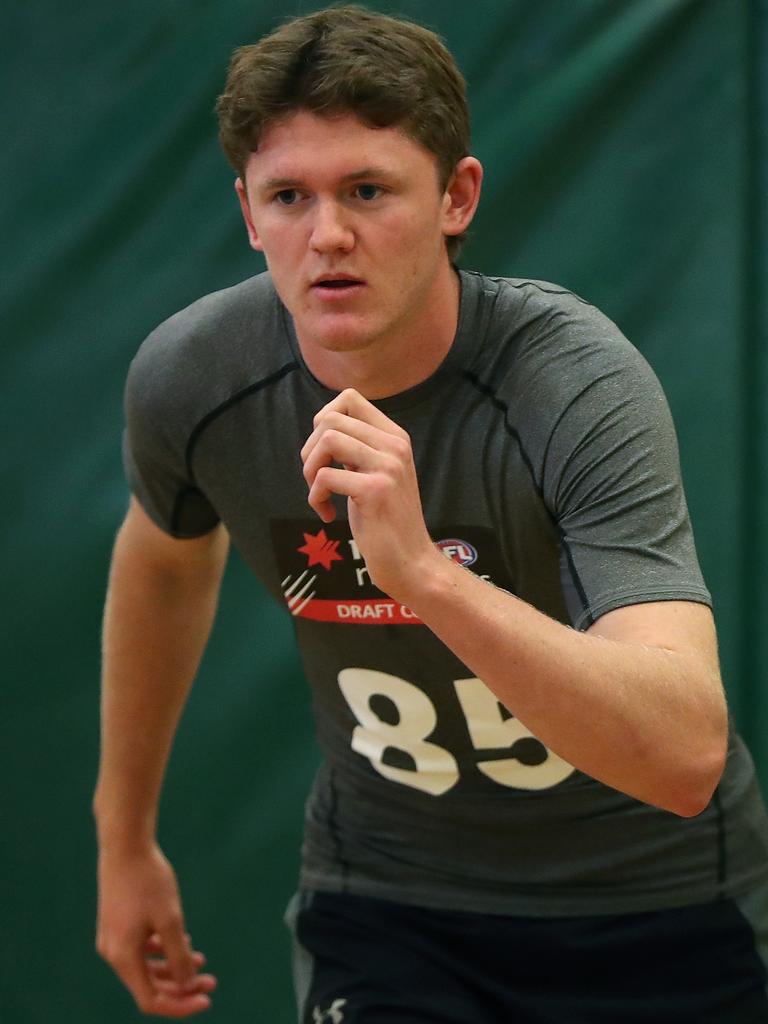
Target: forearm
x=646, y=720
x=157, y=620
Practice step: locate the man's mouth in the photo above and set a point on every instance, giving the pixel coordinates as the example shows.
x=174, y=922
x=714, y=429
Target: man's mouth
x=337, y=283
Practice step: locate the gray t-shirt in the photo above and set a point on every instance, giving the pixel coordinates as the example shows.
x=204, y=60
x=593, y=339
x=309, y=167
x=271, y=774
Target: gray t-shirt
x=548, y=464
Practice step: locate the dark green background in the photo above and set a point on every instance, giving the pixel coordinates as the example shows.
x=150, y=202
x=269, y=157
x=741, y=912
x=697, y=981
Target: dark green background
x=623, y=143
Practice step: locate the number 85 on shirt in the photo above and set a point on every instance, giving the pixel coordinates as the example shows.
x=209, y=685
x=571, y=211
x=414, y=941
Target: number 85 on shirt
x=531, y=765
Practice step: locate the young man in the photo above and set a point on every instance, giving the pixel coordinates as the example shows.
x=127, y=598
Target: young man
x=564, y=840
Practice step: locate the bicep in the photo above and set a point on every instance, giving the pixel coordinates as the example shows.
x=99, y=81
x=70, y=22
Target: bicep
x=142, y=541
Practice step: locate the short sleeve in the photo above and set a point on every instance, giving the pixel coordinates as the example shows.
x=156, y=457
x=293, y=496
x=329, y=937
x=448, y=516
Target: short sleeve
x=155, y=445
x=611, y=478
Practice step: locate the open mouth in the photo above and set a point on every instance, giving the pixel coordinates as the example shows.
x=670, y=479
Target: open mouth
x=337, y=285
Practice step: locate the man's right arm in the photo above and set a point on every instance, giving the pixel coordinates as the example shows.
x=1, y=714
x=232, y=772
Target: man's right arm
x=160, y=607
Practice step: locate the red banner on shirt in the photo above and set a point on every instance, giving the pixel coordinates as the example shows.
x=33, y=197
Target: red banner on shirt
x=365, y=612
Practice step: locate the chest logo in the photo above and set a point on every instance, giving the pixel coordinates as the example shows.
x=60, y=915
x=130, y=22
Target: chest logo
x=460, y=551
x=320, y=550
x=323, y=575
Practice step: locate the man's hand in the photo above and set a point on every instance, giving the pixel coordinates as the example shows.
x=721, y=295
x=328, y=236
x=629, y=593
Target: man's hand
x=378, y=477
x=141, y=935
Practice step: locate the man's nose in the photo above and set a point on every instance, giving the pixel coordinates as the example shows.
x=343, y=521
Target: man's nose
x=331, y=228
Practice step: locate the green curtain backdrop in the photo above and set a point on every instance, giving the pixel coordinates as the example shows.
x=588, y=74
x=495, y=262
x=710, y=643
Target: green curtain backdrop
x=623, y=143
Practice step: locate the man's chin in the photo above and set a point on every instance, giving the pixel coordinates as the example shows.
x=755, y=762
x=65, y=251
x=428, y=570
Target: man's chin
x=338, y=337
x=346, y=343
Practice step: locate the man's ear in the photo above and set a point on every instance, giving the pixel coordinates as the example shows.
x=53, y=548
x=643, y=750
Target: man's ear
x=462, y=194
x=242, y=195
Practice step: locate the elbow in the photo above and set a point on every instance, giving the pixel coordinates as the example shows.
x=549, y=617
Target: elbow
x=693, y=804
x=695, y=793
x=706, y=756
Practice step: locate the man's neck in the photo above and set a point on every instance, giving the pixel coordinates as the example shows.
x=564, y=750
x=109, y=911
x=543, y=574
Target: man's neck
x=400, y=361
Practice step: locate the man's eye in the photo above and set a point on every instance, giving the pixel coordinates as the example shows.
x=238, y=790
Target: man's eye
x=287, y=196
x=368, y=191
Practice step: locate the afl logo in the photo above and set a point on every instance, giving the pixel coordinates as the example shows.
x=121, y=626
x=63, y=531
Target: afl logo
x=460, y=551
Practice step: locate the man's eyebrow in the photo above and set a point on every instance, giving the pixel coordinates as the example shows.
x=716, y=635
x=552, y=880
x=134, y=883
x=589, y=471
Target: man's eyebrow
x=371, y=172
x=364, y=173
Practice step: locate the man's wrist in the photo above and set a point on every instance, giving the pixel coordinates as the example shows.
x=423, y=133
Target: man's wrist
x=119, y=833
x=125, y=842
x=434, y=578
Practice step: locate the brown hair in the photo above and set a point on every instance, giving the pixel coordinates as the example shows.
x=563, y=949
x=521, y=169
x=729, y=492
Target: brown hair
x=390, y=72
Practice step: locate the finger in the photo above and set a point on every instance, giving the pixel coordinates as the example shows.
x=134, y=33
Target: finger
x=371, y=436
x=324, y=507
x=329, y=481
x=154, y=944
x=134, y=974
x=353, y=404
x=164, y=998
x=336, y=447
x=175, y=943
x=157, y=964
x=166, y=1005
x=202, y=983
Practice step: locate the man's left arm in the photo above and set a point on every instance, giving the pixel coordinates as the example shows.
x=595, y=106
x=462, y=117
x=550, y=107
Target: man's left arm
x=636, y=701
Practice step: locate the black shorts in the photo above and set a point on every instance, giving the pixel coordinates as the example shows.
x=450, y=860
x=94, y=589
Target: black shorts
x=360, y=960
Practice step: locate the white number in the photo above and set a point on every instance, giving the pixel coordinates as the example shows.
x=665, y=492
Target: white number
x=436, y=770
x=488, y=729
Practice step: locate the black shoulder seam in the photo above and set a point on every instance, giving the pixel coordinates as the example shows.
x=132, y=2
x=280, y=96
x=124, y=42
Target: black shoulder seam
x=487, y=390
x=209, y=417
x=547, y=291
x=574, y=574
x=181, y=495
x=563, y=413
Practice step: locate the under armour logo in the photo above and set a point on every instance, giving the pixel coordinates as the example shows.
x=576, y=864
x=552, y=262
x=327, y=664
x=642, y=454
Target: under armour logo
x=332, y=1014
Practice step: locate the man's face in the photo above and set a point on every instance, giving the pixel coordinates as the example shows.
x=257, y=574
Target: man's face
x=351, y=221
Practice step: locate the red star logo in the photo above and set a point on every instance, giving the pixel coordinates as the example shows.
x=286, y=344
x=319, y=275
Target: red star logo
x=320, y=551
